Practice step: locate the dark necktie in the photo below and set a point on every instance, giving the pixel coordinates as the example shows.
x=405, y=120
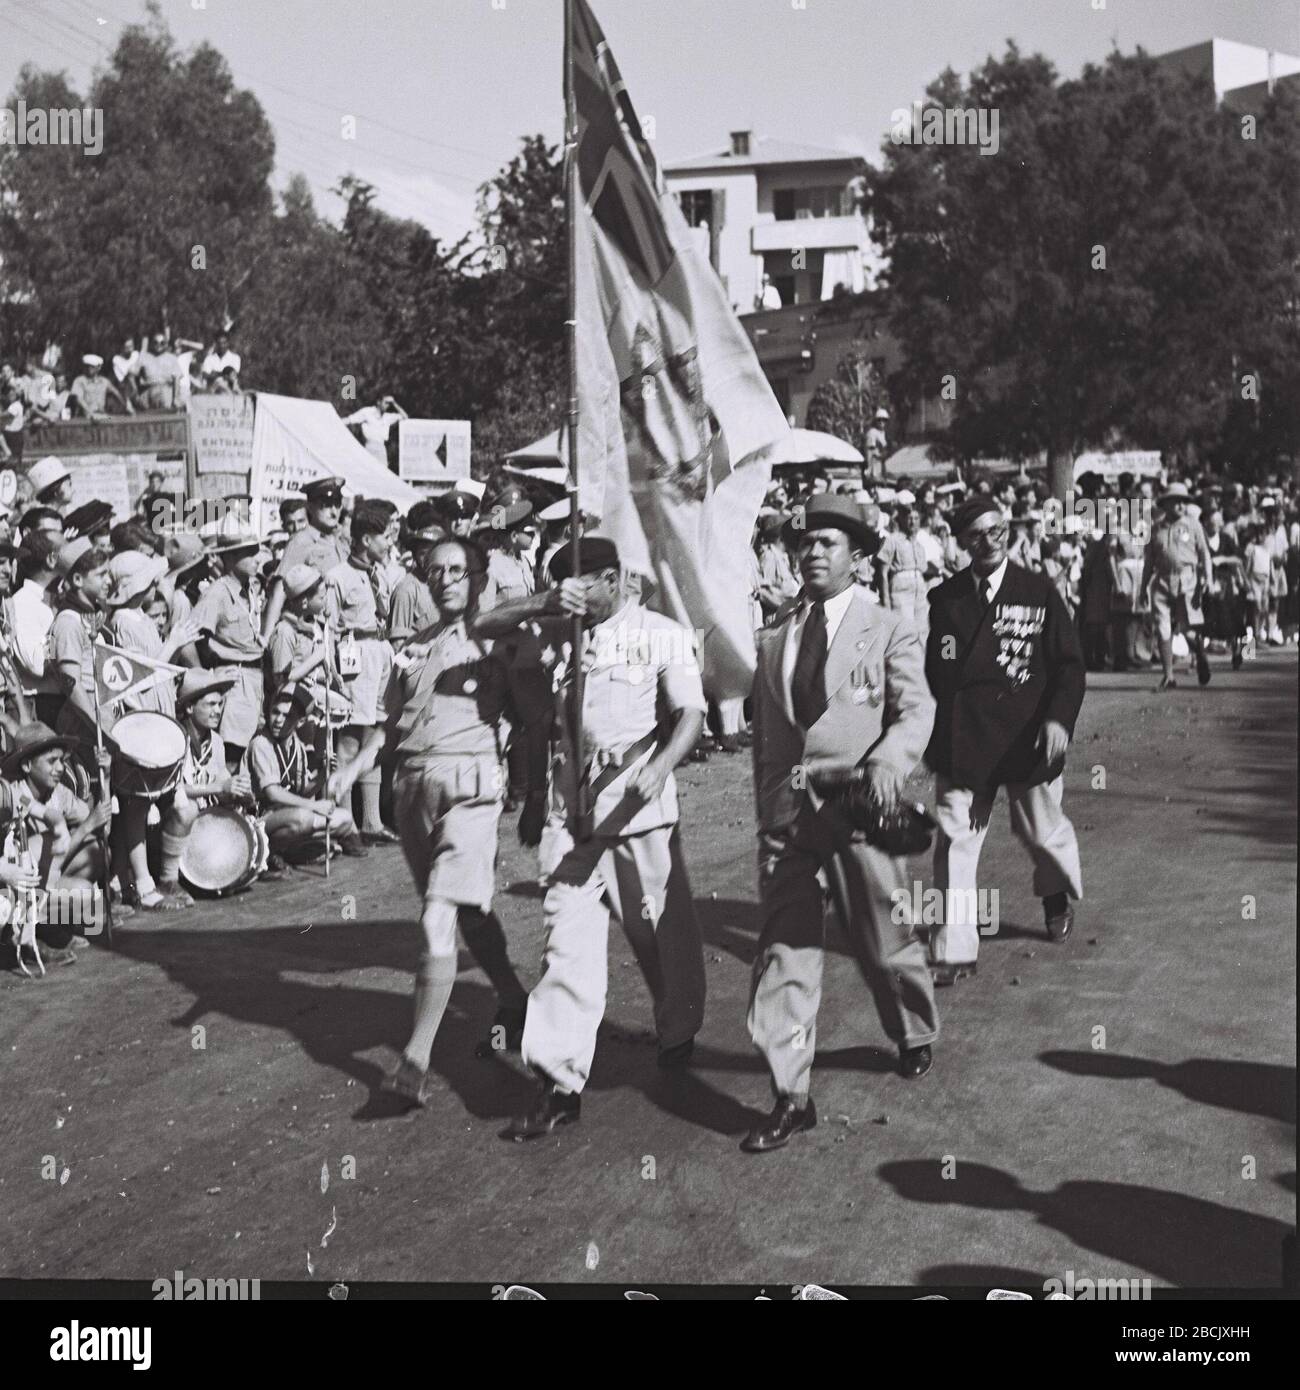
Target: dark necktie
x=808, y=684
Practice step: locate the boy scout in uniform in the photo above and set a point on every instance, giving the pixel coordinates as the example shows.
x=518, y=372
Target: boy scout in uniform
x=1176, y=551
x=358, y=599
x=446, y=727
x=229, y=613
x=630, y=866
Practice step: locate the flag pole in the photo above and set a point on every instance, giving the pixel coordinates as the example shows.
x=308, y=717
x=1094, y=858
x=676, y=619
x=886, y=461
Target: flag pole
x=571, y=193
x=103, y=796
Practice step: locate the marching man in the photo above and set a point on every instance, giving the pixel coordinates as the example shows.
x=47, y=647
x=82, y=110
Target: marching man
x=1006, y=669
x=839, y=687
x=444, y=722
x=630, y=866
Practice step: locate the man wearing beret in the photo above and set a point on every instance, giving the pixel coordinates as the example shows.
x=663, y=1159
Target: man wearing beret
x=1007, y=672
x=624, y=859
x=839, y=687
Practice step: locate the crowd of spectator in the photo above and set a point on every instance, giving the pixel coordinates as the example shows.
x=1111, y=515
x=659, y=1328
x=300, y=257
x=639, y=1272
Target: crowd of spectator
x=162, y=373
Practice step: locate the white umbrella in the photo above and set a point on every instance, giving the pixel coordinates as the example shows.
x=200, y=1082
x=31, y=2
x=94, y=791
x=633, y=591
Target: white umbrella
x=813, y=446
x=545, y=450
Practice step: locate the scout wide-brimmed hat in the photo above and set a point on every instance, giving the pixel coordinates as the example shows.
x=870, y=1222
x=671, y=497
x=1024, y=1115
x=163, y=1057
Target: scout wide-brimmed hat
x=131, y=573
x=1175, y=492
x=30, y=740
x=86, y=519
x=300, y=580
x=197, y=683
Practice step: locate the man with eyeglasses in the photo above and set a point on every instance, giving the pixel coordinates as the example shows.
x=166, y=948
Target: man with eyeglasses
x=1007, y=673
x=445, y=725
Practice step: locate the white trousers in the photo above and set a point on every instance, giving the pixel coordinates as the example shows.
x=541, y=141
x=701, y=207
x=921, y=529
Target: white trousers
x=1037, y=821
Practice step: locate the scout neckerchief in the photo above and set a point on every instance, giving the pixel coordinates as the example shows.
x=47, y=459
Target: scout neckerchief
x=293, y=764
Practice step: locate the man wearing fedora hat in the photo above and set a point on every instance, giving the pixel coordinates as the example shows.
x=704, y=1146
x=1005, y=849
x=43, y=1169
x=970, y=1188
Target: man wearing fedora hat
x=1177, y=569
x=839, y=687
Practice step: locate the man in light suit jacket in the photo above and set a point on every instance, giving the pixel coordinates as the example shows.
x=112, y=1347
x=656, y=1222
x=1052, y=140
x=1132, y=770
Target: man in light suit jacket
x=840, y=684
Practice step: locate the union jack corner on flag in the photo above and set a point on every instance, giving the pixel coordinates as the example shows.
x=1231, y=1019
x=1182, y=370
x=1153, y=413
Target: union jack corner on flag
x=677, y=423
x=119, y=674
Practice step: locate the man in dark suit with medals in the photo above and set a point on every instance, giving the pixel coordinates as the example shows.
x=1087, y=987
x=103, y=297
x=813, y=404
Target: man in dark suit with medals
x=1007, y=674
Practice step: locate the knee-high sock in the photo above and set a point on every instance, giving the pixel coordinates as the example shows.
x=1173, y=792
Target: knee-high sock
x=486, y=940
x=433, y=981
x=370, y=784
x=173, y=847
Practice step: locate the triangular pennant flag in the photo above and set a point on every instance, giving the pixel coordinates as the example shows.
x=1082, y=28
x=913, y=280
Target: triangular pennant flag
x=120, y=674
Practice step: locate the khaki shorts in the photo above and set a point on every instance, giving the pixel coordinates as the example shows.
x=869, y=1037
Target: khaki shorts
x=1174, y=610
x=447, y=811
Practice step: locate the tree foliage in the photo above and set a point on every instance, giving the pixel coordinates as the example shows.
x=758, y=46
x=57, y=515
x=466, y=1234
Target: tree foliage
x=1108, y=275
x=846, y=404
x=95, y=248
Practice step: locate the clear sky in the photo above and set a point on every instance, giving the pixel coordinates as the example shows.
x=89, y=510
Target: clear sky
x=442, y=90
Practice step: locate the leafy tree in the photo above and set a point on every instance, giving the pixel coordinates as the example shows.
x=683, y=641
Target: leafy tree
x=1094, y=281
x=106, y=245
x=846, y=404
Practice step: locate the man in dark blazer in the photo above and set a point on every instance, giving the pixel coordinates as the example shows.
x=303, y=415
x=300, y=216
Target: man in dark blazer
x=840, y=685
x=1007, y=674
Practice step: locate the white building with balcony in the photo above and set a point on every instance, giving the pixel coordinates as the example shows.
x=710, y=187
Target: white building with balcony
x=765, y=207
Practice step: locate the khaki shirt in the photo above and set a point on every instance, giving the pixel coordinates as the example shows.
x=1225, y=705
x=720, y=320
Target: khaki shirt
x=312, y=547
x=354, y=604
x=226, y=613
x=1177, y=555
x=641, y=668
x=512, y=576
x=447, y=697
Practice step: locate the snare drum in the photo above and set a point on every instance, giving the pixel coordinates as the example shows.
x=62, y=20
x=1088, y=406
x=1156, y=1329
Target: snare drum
x=225, y=851
x=150, y=754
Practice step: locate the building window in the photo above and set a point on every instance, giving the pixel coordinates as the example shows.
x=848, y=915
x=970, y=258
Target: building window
x=830, y=200
x=697, y=206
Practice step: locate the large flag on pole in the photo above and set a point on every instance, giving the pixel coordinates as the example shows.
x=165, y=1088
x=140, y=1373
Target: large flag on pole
x=676, y=419
x=119, y=673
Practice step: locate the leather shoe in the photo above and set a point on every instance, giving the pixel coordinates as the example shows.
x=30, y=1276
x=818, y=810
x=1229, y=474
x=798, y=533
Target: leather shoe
x=786, y=1119
x=552, y=1109
x=1059, y=916
x=914, y=1061
x=382, y=836
x=677, y=1057
x=407, y=1082
x=353, y=847
x=506, y=1034
x=944, y=975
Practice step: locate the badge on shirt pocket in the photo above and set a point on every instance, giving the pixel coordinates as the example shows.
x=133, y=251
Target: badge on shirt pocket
x=349, y=656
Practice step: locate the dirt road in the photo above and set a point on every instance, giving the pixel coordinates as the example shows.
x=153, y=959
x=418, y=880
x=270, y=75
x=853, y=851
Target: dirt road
x=1119, y=1106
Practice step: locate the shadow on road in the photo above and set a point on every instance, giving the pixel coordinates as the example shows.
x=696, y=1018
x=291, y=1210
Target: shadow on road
x=1179, y=1240
x=1254, y=1088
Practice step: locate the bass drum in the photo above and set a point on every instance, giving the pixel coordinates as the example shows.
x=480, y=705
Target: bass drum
x=224, y=852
